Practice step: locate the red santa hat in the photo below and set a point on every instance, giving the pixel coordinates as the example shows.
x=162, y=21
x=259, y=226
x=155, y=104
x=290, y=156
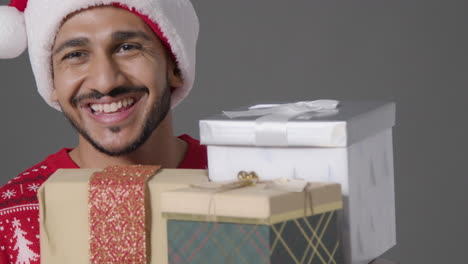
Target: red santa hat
x=33, y=24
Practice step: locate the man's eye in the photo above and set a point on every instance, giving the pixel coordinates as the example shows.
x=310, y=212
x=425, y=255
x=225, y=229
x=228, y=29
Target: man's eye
x=128, y=47
x=73, y=55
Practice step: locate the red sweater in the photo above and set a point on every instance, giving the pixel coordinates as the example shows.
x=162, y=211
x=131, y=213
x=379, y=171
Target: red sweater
x=19, y=208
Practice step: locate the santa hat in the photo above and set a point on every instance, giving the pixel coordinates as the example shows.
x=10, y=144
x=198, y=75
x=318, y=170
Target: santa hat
x=33, y=24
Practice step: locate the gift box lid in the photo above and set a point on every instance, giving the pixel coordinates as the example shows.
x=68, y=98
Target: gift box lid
x=250, y=205
x=349, y=122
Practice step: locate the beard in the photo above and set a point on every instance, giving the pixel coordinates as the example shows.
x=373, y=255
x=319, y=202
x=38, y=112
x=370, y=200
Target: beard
x=156, y=115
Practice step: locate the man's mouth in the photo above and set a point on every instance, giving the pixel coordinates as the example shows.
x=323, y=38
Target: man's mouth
x=111, y=111
x=114, y=107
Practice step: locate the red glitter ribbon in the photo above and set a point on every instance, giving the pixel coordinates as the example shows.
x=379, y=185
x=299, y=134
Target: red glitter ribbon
x=117, y=214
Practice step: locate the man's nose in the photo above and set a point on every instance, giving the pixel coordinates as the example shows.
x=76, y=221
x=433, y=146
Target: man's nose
x=104, y=74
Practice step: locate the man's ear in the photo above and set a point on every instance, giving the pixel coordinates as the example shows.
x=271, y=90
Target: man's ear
x=174, y=75
x=54, y=96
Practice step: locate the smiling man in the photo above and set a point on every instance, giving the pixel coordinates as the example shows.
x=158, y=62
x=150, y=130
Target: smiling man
x=113, y=79
x=115, y=69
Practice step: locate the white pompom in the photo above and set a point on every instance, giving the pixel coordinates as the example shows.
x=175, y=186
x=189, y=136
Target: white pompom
x=13, y=38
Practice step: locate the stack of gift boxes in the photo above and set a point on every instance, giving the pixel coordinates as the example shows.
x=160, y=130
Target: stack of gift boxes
x=307, y=182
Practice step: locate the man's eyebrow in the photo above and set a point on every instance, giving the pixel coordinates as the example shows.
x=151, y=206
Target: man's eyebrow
x=126, y=35
x=76, y=42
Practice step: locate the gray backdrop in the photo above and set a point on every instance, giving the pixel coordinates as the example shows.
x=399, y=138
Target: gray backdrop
x=411, y=52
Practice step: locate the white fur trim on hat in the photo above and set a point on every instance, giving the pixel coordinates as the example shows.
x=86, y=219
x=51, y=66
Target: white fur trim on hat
x=13, y=40
x=176, y=18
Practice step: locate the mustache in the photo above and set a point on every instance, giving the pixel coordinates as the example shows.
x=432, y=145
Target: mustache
x=113, y=93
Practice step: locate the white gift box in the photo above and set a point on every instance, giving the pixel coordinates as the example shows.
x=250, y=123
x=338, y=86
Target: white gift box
x=350, y=144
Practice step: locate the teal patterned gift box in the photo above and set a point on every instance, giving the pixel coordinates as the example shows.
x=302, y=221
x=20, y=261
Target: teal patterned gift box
x=290, y=234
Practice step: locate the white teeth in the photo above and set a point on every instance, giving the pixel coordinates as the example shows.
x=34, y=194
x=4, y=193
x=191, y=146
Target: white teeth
x=107, y=108
x=113, y=107
x=128, y=101
x=95, y=107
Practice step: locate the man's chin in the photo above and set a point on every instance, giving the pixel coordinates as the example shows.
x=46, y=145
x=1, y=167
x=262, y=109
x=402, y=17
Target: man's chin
x=119, y=142
x=115, y=151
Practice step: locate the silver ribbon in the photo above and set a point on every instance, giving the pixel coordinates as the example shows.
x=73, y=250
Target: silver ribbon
x=271, y=126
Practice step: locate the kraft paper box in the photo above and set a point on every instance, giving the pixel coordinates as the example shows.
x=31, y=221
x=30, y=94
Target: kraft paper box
x=253, y=225
x=64, y=225
x=350, y=144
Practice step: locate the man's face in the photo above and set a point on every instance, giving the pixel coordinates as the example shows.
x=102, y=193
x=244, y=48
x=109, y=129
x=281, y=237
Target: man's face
x=112, y=78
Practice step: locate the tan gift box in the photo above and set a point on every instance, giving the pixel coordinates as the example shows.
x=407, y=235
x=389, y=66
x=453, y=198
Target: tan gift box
x=64, y=225
x=255, y=224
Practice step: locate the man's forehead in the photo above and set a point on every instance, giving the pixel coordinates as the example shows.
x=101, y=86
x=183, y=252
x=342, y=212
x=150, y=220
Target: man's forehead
x=102, y=18
x=104, y=22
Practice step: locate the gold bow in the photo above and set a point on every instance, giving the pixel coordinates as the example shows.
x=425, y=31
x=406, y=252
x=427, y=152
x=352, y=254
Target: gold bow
x=248, y=179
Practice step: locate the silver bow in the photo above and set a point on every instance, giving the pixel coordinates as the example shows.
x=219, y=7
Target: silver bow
x=271, y=126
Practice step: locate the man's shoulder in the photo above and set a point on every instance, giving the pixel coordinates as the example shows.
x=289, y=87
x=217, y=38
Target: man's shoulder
x=196, y=155
x=19, y=209
x=22, y=189
x=193, y=143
